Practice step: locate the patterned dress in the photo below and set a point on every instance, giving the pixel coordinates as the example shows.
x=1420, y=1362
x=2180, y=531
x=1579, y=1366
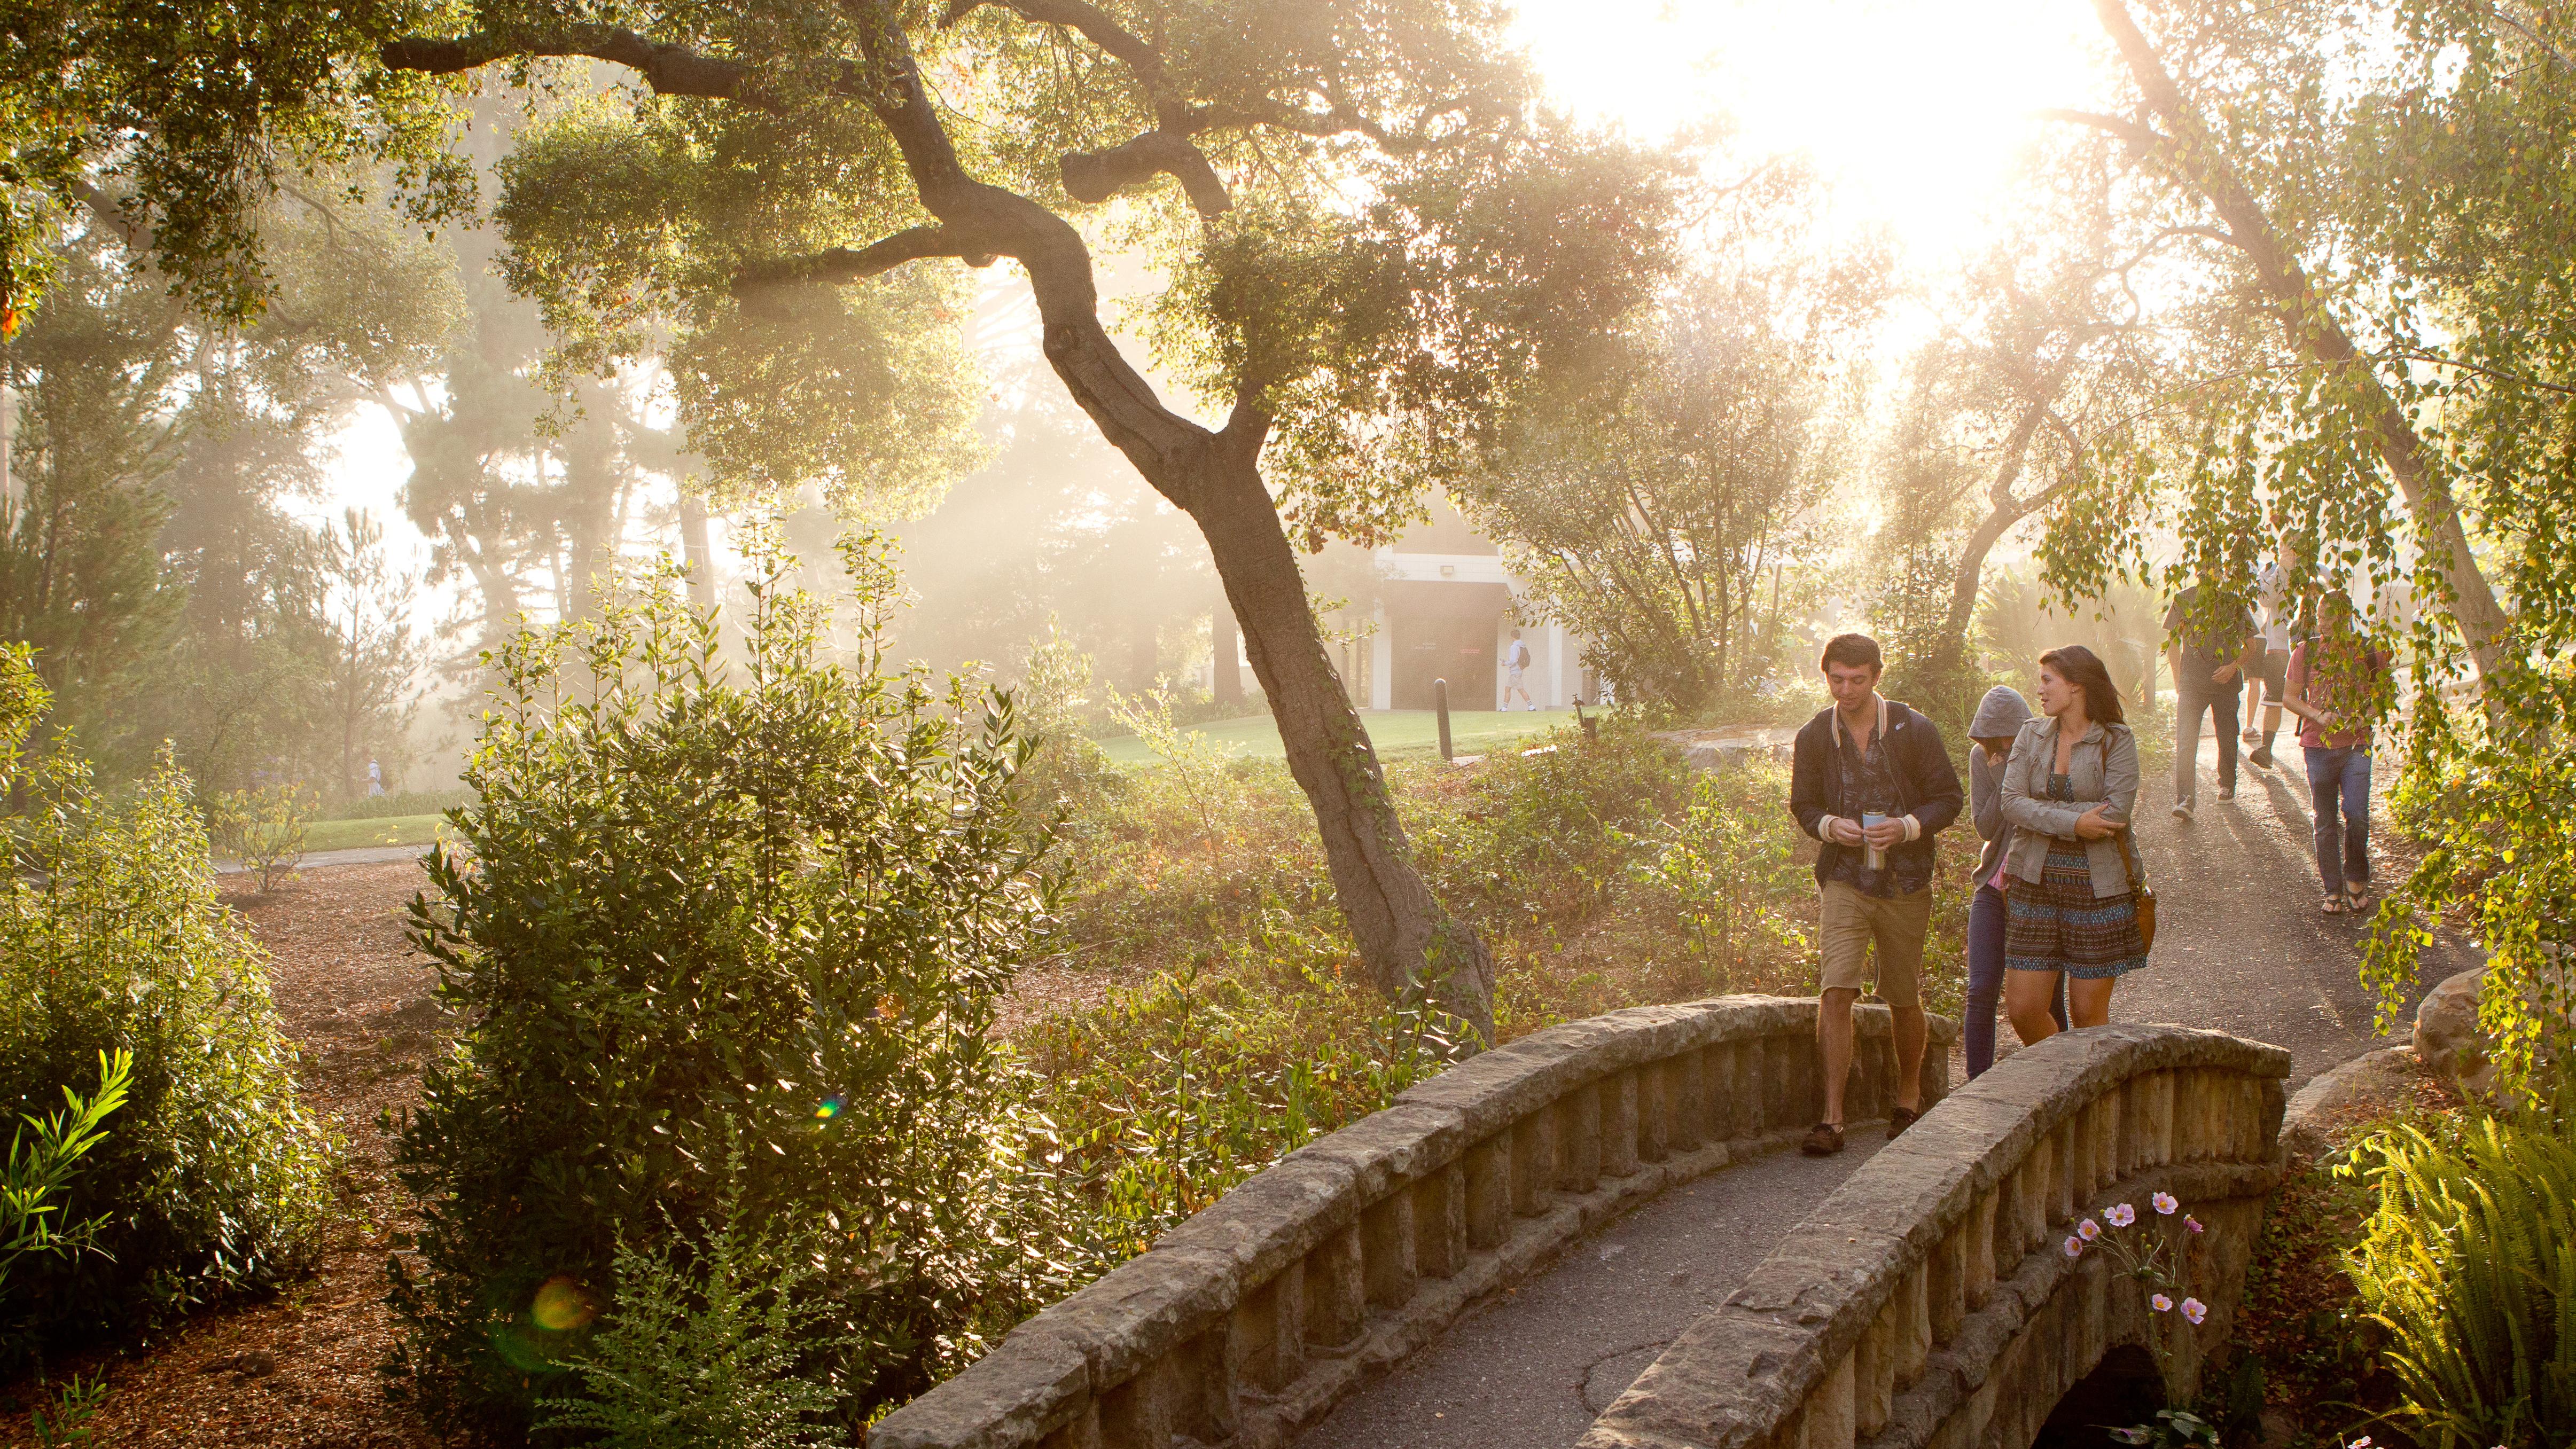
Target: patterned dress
x=2058, y=924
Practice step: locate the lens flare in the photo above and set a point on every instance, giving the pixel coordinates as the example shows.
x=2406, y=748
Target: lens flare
x=563, y=1305
x=828, y=1108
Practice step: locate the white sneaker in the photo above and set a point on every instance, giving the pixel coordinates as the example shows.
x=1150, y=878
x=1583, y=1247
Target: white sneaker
x=2182, y=810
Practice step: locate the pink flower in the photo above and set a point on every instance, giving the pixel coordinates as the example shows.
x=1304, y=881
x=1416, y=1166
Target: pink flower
x=2165, y=1204
x=2195, y=1310
x=2193, y=1223
x=2075, y=1247
x=2088, y=1230
x=2160, y=1303
x=2120, y=1215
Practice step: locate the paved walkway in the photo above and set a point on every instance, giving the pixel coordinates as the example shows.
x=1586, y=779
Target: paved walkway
x=2241, y=946
x=356, y=855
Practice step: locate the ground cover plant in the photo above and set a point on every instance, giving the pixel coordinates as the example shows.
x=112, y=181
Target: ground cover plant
x=209, y=1176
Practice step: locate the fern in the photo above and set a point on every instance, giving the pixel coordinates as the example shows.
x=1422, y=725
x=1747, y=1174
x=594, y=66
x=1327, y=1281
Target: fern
x=2470, y=1264
x=706, y=1354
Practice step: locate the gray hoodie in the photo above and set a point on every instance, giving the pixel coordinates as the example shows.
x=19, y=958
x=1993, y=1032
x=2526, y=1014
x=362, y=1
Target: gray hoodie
x=2000, y=715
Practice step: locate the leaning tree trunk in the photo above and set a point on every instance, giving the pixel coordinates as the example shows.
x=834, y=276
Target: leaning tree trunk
x=1406, y=940
x=2313, y=329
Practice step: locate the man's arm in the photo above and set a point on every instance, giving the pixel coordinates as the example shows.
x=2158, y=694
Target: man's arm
x=1941, y=796
x=1807, y=785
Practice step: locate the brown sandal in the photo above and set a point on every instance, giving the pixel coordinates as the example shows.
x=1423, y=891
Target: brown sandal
x=1900, y=1118
x=1823, y=1140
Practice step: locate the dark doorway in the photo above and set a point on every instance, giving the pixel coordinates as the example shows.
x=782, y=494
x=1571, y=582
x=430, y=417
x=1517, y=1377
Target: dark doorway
x=1458, y=650
x=1443, y=631
x=2123, y=1391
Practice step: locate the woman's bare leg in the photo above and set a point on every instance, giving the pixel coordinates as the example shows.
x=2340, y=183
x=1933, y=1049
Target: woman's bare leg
x=2089, y=999
x=2028, y=997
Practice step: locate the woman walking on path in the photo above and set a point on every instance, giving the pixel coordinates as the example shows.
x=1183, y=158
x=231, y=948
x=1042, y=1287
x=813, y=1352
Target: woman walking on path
x=2334, y=690
x=2000, y=716
x=2069, y=792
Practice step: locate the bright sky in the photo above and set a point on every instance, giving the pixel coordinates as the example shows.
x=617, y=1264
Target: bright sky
x=1914, y=109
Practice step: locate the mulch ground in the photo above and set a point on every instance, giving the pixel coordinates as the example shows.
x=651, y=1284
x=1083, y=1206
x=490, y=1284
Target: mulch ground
x=299, y=1370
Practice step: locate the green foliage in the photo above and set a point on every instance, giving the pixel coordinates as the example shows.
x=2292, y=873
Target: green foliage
x=699, y=903
x=38, y=1172
x=264, y=829
x=1653, y=500
x=704, y=1342
x=1151, y=1106
x=64, y=1424
x=112, y=942
x=2469, y=1264
x=1729, y=869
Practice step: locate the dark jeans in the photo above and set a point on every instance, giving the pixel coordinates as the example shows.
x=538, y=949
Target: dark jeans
x=2339, y=785
x=2190, y=702
x=1986, y=979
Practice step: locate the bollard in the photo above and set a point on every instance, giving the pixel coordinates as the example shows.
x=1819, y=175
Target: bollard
x=1440, y=702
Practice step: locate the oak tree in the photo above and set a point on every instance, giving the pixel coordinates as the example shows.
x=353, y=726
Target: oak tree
x=1371, y=227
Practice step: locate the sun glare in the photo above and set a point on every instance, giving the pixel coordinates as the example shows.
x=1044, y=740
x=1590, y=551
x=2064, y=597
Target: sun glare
x=1915, y=109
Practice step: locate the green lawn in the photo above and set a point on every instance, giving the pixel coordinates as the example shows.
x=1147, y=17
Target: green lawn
x=324, y=835
x=1393, y=731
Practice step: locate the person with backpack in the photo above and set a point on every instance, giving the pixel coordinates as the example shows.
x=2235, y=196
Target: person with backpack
x=1516, y=660
x=2076, y=889
x=1873, y=783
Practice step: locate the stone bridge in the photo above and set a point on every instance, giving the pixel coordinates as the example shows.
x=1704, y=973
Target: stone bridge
x=1927, y=1300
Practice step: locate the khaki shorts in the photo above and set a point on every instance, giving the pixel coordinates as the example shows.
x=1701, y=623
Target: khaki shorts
x=1850, y=921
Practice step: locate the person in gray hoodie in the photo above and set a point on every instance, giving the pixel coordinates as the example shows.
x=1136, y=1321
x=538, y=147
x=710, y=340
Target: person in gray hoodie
x=2000, y=716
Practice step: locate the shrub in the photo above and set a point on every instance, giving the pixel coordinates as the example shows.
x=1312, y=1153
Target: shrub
x=264, y=830
x=1728, y=870
x=1155, y=1104
x=2469, y=1264
x=211, y=1176
x=692, y=910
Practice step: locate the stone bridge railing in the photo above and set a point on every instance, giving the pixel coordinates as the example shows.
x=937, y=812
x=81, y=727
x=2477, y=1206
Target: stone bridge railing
x=1929, y=1300
x=1253, y=1318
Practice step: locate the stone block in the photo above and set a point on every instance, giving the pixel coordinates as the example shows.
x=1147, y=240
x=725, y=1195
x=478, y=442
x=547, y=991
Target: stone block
x=1386, y=1249
x=1533, y=1161
x=1389, y=1148
x=1336, y=1290
x=1440, y=1222
x=1578, y=1139
x=1489, y=1191
x=1266, y=1350
x=1618, y=1105
x=1039, y=1378
x=1272, y=1220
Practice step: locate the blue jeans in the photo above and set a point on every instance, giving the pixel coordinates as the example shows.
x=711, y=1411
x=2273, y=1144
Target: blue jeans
x=1986, y=979
x=2339, y=786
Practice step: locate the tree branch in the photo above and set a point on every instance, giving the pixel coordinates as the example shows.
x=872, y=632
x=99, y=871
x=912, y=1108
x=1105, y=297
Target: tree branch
x=2142, y=138
x=1095, y=176
x=843, y=264
x=671, y=70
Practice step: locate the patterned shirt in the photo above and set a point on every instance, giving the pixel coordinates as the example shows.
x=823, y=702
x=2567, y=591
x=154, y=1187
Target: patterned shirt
x=1869, y=788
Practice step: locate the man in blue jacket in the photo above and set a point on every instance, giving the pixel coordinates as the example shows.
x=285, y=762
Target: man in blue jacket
x=1873, y=782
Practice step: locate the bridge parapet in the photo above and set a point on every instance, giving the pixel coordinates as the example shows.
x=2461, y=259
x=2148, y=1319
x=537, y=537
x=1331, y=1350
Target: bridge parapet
x=1256, y=1316
x=1929, y=1300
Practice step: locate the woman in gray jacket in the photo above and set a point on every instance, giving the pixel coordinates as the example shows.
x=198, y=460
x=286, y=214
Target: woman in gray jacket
x=2070, y=791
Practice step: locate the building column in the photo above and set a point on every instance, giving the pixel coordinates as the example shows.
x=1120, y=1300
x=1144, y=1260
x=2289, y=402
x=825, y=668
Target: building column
x=1381, y=663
